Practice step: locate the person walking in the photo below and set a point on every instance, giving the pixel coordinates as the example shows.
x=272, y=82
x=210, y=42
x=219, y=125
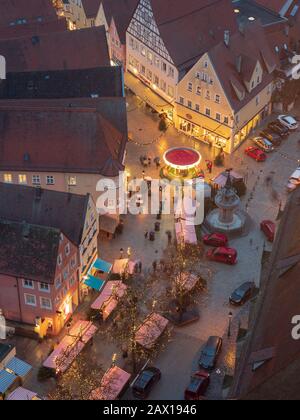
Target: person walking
x=146, y=234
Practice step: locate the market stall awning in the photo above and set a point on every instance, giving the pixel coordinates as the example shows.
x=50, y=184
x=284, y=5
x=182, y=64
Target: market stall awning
x=103, y=266
x=109, y=223
x=6, y=380
x=108, y=299
x=187, y=281
x=112, y=384
x=18, y=367
x=71, y=346
x=94, y=283
x=151, y=330
x=22, y=394
x=120, y=266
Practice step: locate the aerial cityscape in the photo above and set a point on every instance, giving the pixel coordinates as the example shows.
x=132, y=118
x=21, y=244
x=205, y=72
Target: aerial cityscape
x=149, y=202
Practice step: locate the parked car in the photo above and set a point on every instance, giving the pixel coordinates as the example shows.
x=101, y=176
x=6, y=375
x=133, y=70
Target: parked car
x=242, y=294
x=269, y=229
x=210, y=353
x=288, y=122
x=277, y=128
x=145, y=382
x=223, y=255
x=274, y=138
x=294, y=180
x=215, y=240
x=263, y=144
x=198, y=386
x=256, y=154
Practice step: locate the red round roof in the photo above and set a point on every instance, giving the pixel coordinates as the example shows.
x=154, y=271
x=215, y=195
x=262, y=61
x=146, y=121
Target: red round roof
x=182, y=157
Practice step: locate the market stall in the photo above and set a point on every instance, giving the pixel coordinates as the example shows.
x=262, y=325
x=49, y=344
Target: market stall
x=113, y=384
x=151, y=330
x=22, y=394
x=120, y=269
x=109, y=298
x=70, y=346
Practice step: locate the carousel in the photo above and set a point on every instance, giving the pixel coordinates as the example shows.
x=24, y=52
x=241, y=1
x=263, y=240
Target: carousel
x=183, y=163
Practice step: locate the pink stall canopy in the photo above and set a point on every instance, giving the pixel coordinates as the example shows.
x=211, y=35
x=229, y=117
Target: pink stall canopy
x=151, y=330
x=22, y=394
x=108, y=299
x=185, y=232
x=70, y=346
x=187, y=281
x=112, y=384
x=120, y=266
x=221, y=179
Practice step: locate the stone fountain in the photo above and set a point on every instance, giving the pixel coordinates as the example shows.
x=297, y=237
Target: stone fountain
x=228, y=217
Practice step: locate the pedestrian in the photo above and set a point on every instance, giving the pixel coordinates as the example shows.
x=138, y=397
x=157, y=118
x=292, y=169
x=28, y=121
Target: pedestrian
x=129, y=251
x=121, y=253
x=149, y=161
x=146, y=234
x=154, y=265
x=140, y=266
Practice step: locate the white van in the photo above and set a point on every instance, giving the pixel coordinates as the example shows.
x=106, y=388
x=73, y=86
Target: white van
x=294, y=180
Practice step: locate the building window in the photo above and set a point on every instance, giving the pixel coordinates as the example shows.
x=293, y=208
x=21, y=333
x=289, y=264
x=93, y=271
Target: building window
x=181, y=100
x=218, y=99
x=190, y=105
x=226, y=120
x=44, y=287
x=207, y=112
x=22, y=179
x=197, y=107
x=157, y=61
x=30, y=300
x=150, y=57
x=67, y=249
x=143, y=70
x=156, y=80
x=50, y=180
x=163, y=86
x=218, y=116
x=59, y=260
x=72, y=281
x=149, y=75
x=72, y=181
x=205, y=64
x=8, y=178
x=46, y=303
x=36, y=180
x=207, y=96
x=66, y=273
x=198, y=91
x=58, y=283
x=171, y=91
x=164, y=67
x=257, y=100
x=28, y=284
x=143, y=51
x=190, y=87
x=171, y=72
x=73, y=262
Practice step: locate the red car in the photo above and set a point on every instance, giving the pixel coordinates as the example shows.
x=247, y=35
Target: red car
x=269, y=229
x=256, y=154
x=216, y=240
x=223, y=255
x=198, y=386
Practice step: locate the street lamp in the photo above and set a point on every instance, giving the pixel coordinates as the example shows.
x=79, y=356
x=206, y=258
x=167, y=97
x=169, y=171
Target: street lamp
x=230, y=316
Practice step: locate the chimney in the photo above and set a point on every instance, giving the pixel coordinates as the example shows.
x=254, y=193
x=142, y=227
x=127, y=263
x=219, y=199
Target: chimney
x=227, y=38
x=238, y=63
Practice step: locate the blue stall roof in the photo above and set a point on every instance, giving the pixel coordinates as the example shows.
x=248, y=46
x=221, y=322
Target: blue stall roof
x=6, y=380
x=94, y=283
x=18, y=367
x=103, y=266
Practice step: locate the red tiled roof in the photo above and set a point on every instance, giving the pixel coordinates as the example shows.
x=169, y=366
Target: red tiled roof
x=279, y=377
x=249, y=47
x=82, y=49
x=57, y=137
x=23, y=12
x=45, y=208
x=28, y=251
x=190, y=28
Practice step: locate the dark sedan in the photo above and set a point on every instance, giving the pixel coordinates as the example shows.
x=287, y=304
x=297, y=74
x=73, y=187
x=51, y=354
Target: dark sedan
x=210, y=353
x=144, y=383
x=242, y=294
x=277, y=128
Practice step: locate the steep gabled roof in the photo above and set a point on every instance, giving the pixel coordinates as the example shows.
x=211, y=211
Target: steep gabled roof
x=247, y=48
x=28, y=251
x=65, y=212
